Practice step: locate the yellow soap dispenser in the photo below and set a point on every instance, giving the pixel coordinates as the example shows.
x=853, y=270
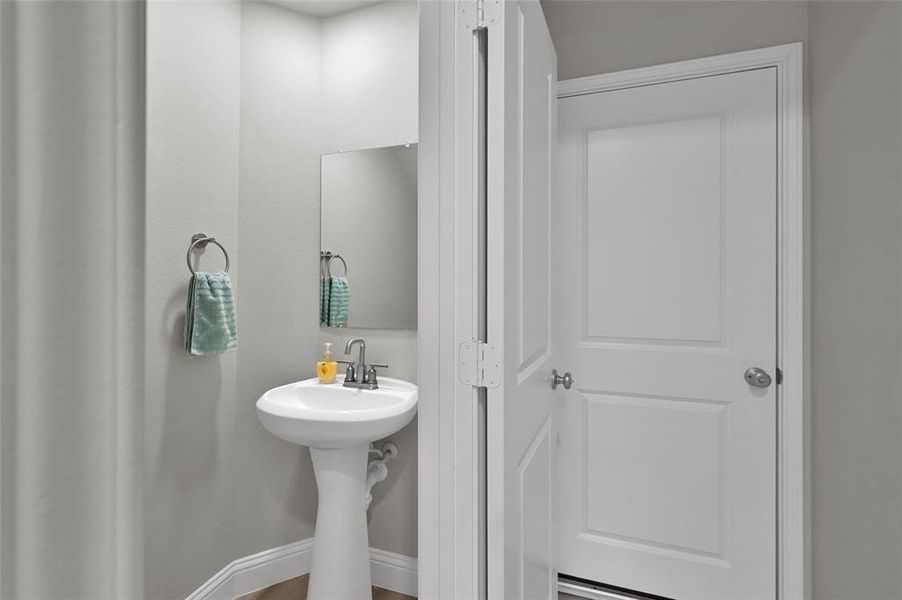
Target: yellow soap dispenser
x=327, y=367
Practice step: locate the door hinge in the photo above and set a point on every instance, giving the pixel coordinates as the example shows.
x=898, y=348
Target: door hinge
x=479, y=364
x=479, y=14
x=779, y=376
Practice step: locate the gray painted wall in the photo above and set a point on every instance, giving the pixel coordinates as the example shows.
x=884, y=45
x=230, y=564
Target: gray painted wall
x=856, y=336
x=278, y=227
x=234, y=135
x=593, y=37
x=192, y=404
x=854, y=77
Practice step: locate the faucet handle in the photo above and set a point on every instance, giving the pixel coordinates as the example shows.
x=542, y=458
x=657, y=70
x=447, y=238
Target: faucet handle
x=350, y=374
x=370, y=376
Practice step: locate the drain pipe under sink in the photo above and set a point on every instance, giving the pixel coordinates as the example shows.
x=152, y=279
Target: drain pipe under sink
x=377, y=469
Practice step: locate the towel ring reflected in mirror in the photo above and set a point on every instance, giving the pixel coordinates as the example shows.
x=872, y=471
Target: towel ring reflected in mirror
x=327, y=258
x=200, y=240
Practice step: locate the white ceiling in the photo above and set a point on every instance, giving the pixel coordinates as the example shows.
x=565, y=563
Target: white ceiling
x=323, y=8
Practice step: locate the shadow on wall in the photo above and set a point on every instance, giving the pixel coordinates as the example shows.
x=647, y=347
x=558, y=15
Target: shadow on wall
x=190, y=452
x=189, y=446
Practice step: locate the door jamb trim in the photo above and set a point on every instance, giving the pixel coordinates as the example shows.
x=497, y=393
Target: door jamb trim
x=450, y=512
x=793, y=456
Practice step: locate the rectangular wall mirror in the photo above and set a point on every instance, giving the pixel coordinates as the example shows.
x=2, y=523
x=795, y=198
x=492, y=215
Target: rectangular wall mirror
x=368, y=251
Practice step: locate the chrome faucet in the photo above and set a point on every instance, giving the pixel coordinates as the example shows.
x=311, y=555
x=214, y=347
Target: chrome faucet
x=361, y=375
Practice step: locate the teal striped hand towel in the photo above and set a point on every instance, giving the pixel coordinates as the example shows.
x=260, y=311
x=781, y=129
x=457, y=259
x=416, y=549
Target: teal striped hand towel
x=339, y=297
x=210, y=318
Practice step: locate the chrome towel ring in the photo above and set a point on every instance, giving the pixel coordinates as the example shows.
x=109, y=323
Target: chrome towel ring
x=200, y=240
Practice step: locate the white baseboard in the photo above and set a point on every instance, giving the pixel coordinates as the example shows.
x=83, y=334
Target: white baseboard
x=394, y=572
x=391, y=571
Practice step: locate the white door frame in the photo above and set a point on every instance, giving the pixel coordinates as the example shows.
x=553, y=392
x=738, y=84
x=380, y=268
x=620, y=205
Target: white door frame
x=449, y=520
x=792, y=324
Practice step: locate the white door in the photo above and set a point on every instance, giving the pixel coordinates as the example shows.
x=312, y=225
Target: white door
x=521, y=139
x=665, y=294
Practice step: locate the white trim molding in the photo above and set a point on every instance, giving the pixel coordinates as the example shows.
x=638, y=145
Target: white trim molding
x=792, y=322
x=390, y=571
x=450, y=519
x=257, y=571
x=394, y=572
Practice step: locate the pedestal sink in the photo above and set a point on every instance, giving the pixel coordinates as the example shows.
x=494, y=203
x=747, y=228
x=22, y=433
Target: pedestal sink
x=337, y=423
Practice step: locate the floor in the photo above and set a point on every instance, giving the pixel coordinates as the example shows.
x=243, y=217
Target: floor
x=296, y=589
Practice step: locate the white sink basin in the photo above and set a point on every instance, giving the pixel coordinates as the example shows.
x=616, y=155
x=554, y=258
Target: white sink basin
x=338, y=423
x=332, y=416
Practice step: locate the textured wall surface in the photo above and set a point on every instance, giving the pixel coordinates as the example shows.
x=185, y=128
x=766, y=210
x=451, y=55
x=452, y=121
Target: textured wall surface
x=193, y=85
x=233, y=152
x=856, y=298
x=277, y=227
x=236, y=125
x=600, y=37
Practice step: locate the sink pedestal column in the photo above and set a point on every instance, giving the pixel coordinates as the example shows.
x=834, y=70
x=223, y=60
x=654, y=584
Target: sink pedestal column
x=341, y=550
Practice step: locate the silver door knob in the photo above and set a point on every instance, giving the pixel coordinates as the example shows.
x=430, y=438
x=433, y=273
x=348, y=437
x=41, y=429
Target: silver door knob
x=556, y=380
x=757, y=377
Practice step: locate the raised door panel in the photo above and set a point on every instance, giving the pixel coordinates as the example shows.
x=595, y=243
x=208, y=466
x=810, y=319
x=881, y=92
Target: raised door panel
x=653, y=210
x=640, y=447
x=536, y=151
